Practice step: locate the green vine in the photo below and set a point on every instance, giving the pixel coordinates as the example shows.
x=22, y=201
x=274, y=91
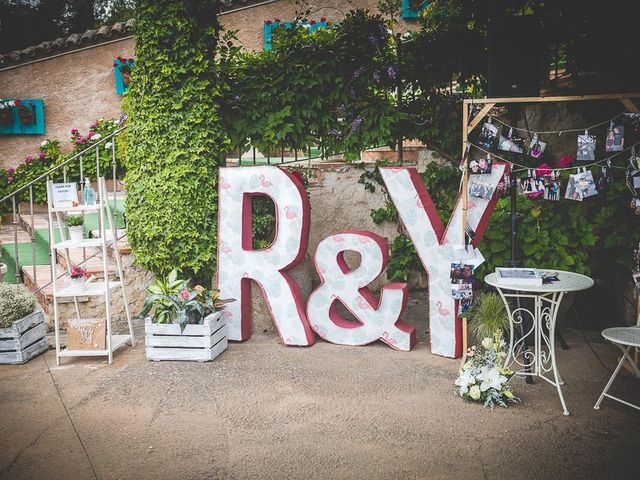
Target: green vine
x=174, y=138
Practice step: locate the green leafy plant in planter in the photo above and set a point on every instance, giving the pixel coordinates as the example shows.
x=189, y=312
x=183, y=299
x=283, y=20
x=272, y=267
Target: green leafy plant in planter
x=15, y=303
x=488, y=316
x=172, y=301
x=74, y=220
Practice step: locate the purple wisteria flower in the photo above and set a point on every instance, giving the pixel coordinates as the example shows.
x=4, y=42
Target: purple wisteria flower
x=376, y=76
x=122, y=120
x=356, y=123
x=391, y=73
x=335, y=133
x=358, y=72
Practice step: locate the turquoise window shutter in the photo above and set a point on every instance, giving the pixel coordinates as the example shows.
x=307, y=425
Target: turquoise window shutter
x=17, y=128
x=269, y=25
x=409, y=12
x=120, y=86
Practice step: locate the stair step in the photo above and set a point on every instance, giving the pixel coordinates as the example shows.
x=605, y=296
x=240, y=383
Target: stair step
x=94, y=266
x=123, y=243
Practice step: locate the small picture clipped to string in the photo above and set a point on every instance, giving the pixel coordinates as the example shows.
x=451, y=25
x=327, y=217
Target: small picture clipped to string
x=511, y=143
x=615, y=138
x=488, y=135
x=586, y=147
x=536, y=147
x=481, y=165
x=580, y=186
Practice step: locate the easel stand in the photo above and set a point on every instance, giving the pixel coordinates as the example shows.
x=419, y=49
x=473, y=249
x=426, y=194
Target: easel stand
x=471, y=121
x=101, y=288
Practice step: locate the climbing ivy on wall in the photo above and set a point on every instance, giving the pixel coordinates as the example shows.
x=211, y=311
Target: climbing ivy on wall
x=174, y=137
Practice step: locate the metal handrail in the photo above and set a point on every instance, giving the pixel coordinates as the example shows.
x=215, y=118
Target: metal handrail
x=64, y=164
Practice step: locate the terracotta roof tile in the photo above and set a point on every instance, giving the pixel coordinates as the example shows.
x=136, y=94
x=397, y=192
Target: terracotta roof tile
x=77, y=40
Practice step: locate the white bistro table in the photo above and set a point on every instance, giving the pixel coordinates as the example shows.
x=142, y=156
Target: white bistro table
x=539, y=359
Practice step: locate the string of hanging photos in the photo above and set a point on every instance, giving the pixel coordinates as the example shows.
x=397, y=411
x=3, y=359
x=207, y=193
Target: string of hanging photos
x=544, y=181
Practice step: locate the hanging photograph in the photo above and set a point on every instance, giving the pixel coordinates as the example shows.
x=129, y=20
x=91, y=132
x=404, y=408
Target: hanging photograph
x=463, y=307
x=462, y=291
x=536, y=148
x=462, y=273
x=532, y=186
x=615, y=139
x=513, y=144
x=480, y=190
x=552, y=188
x=580, y=186
x=480, y=166
x=487, y=135
x=586, y=147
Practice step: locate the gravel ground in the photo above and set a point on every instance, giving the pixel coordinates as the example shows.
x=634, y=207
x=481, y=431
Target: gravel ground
x=263, y=411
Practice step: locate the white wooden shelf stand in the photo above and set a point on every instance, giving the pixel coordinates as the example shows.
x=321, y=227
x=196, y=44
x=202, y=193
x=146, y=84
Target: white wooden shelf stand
x=103, y=287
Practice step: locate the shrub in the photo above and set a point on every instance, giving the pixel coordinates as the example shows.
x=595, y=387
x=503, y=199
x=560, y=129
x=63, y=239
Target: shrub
x=174, y=138
x=15, y=303
x=74, y=220
x=488, y=316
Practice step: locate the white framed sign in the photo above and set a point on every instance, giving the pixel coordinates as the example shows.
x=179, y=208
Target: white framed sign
x=64, y=194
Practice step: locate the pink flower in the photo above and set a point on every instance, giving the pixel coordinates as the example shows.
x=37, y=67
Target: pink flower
x=184, y=294
x=11, y=170
x=29, y=158
x=91, y=134
x=268, y=22
x=78, y=141
x=543, y=170
x=565, y=161
x=83, y=138
x=42, y=155
x=9, y=179
x=74, y=131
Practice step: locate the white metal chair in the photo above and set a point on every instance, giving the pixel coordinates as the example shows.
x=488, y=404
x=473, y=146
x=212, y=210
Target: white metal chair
x=626, y=339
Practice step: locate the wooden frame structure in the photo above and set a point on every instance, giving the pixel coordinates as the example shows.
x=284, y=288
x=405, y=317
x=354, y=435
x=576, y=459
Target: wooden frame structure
x=471, y=121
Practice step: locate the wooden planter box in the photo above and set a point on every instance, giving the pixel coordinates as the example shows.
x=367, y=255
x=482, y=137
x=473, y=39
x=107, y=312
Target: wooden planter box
x=25, y=339
x=202, y=343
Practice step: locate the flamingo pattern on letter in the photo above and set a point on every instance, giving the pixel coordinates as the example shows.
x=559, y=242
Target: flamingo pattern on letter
x=441, y=310
x=264, y=182
x=224, y=248
x=290, y=214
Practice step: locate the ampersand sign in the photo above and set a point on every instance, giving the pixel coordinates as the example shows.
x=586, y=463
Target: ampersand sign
x=376, y=320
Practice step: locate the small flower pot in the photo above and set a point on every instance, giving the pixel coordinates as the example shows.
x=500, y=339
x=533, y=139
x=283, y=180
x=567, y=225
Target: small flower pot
x=76, y=233
x=77, y=283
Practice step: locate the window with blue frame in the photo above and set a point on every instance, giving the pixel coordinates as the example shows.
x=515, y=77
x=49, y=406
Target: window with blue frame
x=269, y=25
x=411, y=8
x=122, y=71
x=23, y=116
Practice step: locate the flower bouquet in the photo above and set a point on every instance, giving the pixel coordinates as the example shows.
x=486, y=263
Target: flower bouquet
x=483, y=377
x=78, y=276
x=6, y=112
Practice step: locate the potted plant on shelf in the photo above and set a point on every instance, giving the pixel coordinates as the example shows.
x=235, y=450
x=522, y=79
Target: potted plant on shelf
x=78, y=277
x=183, y=323
x=26, y=112
x=6, y=113
x=75, y=224
x=22, y=326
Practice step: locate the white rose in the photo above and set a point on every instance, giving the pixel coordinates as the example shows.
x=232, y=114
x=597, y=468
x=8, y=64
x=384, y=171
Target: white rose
x=97, y=136
x=107, y=145
x=12, y=103
x=487, y=343
x=474, y=392
x=44, y=143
